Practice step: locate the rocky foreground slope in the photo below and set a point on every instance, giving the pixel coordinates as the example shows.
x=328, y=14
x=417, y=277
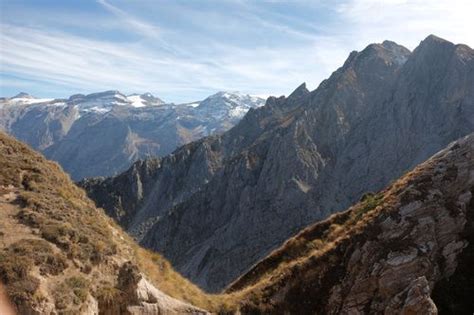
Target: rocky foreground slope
x=101, y=134
x=59, y=254
x=216, y=206
x=408, y=249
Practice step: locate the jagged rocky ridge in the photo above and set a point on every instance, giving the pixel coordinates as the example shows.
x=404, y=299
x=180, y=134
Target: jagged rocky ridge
x=216, y=206
x=102, y=134
x=61, y=255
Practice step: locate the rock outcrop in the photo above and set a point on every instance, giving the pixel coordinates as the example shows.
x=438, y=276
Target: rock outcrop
x=220, y=204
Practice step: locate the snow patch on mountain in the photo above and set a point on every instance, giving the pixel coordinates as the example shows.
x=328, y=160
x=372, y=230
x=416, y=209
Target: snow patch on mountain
x=233, y=105
x=137, y=100
x=230, y=104
x=26, y=100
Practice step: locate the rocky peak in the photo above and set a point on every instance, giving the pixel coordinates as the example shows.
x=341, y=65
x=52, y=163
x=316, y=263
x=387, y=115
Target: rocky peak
x=76, y=97
x=229, y=99
x=151, y=98
x=145, y=99
x=433, y=50
x=300, y=92
x=233, y=105
x=433, y=40
x=99, y=102
x=387, y=53
x=23, y=95
x=437, y=67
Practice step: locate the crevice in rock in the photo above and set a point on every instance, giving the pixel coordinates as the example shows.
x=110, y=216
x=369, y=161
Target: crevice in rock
x=454, y=295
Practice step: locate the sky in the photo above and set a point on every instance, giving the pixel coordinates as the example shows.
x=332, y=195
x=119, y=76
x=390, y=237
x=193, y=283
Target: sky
x=183, y=51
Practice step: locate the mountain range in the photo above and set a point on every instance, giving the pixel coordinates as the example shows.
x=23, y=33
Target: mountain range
x=406, y=249
x=216, y=206
x=102, y=134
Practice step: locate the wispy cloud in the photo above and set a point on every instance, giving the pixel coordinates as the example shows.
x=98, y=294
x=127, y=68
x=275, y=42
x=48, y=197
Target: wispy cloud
x=186, y=51
x=75, y=62
x=140, y=26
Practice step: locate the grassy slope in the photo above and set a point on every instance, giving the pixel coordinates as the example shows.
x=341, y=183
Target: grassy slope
x=56, y=243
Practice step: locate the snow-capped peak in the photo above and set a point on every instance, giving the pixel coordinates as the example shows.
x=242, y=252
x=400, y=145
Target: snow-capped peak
x=99, y=102
x=23, y=95
x=145, y=99
x=232, y=104
x=23, y=98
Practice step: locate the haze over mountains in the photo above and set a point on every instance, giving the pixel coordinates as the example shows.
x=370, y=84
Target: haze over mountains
x=103, y=133
x=216, y=206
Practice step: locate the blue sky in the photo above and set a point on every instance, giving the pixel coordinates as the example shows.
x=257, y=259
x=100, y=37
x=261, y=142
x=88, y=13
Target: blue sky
x=185, y=50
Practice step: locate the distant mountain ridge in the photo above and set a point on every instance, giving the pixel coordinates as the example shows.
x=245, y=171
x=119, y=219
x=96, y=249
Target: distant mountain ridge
x=216, y=206
x=99, y=100
x=103, y=133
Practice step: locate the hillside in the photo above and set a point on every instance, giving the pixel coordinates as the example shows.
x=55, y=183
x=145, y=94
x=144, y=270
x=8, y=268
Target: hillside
x=216, y=206
x=407, y=249
x=59, y=253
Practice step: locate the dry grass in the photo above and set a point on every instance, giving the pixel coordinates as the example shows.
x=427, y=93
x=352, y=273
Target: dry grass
x=73, y=241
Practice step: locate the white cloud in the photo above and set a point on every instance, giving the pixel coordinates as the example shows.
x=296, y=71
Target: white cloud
x=81, y=63
x=140, y=26
x=408, y=21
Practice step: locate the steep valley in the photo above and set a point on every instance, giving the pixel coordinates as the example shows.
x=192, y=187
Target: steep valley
x=218, y=205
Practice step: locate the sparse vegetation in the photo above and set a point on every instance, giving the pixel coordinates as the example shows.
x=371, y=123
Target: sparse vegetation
x=71, y=239
x=71, y=293
x=368, y=202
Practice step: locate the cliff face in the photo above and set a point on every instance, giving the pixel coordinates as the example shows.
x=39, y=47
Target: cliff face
x=60, y=254
x=220, y=204
x=405, y=250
